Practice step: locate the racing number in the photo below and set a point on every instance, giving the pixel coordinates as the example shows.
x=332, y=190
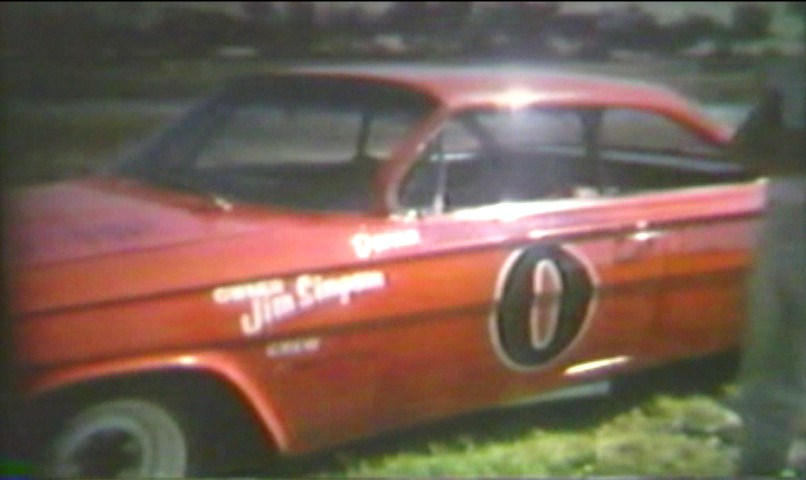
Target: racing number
x=544, y=299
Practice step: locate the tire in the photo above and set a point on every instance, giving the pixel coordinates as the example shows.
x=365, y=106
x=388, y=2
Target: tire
x=120, y=438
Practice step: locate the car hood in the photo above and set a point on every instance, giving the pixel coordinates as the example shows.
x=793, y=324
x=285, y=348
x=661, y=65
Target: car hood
x=80, y=242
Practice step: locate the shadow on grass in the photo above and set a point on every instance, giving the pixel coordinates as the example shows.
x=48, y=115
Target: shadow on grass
x=698, y=377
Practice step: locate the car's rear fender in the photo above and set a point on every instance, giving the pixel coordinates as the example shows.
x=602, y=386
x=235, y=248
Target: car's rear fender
x=198, y=369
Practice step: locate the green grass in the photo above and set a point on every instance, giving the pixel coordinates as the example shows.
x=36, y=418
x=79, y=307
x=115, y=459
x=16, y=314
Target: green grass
x=664, y=436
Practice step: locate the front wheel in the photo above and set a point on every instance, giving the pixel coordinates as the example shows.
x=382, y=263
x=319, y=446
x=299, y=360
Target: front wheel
x=120, y=438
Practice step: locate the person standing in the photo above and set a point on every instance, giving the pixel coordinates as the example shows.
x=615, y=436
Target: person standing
x=772, y=375
x=773, y=365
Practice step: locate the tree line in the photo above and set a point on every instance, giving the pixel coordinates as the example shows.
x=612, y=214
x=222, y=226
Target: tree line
x=79, y=30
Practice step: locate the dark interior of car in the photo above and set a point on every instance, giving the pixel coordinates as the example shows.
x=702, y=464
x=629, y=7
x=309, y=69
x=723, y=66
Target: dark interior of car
x=328, y=187
x=588, y=164
x=486, y=180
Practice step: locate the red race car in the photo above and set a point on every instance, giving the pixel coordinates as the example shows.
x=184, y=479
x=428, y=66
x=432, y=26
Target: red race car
x=317, y=255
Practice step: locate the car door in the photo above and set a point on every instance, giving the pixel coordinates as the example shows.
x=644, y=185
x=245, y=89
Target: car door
x=708, y=218
x=523, y=292
x=704, y=291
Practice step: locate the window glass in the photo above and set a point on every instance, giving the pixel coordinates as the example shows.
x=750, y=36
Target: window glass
x=626, y=129
x=506, y=155
x=497, y=155
x=533, y=129
x=644, y=151
x=385, y=131
x=298, y=141
x=268, y=135
x=456, y=139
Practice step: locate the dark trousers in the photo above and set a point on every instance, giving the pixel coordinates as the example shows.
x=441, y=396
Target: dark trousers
x=773, y=371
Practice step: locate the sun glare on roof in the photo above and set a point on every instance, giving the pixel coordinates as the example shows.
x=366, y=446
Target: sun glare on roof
x=516, y=98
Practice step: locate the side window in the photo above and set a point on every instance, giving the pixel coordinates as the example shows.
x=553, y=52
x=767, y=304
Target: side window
x=438, y=170
x=490, y=156
x=624, y=129
x=458, y=143
x=642, y=150
x=534, y=130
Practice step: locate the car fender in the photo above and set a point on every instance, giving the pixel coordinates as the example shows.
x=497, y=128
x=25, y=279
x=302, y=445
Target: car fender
x=223, y=367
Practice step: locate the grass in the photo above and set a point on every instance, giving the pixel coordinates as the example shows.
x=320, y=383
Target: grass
x=664, y=435
x=652, y=425
x=669, y=421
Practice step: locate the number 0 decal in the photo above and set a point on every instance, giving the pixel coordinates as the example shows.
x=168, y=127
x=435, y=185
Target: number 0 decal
x=543, y=297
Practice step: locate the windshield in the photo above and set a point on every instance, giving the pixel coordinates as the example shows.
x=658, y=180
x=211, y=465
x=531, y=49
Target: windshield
x=302, y=142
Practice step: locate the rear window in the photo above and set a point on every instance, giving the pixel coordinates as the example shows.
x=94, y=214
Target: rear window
x=299, y=141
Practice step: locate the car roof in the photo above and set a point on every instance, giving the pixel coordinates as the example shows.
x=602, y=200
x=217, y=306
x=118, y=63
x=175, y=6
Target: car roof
x=466, y=87
x=478, y=84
